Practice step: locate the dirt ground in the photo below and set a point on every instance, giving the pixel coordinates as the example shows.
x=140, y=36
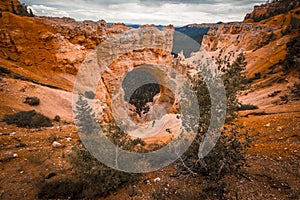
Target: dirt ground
x=28, y=159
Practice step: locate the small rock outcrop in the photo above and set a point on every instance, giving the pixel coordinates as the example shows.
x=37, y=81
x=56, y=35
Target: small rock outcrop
x=139, y=48
x=274, y=8
x=255, y=39
x=14, y=6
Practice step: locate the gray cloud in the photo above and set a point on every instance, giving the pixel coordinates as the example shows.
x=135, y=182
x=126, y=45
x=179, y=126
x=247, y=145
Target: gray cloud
x=211, y=2
x=177, y=12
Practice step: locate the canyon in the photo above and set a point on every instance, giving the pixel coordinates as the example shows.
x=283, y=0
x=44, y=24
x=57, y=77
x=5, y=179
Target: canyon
x=53, y=58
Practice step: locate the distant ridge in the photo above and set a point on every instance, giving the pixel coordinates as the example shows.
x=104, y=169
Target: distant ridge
x=138, y=25
x=197, y=31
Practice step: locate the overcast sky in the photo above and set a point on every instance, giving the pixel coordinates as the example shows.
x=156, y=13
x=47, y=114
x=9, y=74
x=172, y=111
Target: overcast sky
x=164, y=12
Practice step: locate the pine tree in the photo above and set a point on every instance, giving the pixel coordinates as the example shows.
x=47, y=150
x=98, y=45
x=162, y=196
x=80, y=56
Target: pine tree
x=13, y=7
x=31, y=13
x=234, y=76
x=86, y=120
x=228, y=155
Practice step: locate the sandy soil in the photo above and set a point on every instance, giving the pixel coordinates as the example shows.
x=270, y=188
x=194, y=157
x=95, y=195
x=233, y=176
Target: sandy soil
x=272, y=170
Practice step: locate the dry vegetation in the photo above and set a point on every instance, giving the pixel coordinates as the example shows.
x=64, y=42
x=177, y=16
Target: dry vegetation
x=42, y=155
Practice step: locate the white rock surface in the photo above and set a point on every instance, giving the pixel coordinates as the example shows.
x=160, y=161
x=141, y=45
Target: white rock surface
x=56, y=144
x=157, y=180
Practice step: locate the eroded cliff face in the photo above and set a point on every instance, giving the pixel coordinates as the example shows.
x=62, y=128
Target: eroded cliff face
x=264, y=45
x=46, y=54
x=271, y=9
x=45, y=51
x=265, y=40
x=14, y=6
x=49, y=50
x=145, y=48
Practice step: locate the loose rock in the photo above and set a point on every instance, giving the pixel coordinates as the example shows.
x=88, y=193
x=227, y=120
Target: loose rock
x=157, y=180
x=57, y=144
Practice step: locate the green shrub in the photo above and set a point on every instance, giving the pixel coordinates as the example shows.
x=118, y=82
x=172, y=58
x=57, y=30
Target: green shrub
x=228, y=155
x=31, y=119
x=284, y=99
x=96, y=178
x=257, y=76
x=4, y=71
x=57, y=118
x=91, y=179
x=120, y=138
x=274, y=94
x=85, y=118
x=142, y=96
x=291, y=61
x=33, y=101
x=295, y=90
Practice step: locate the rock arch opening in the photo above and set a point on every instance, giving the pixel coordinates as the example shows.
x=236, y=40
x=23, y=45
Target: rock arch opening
x=140, y=88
